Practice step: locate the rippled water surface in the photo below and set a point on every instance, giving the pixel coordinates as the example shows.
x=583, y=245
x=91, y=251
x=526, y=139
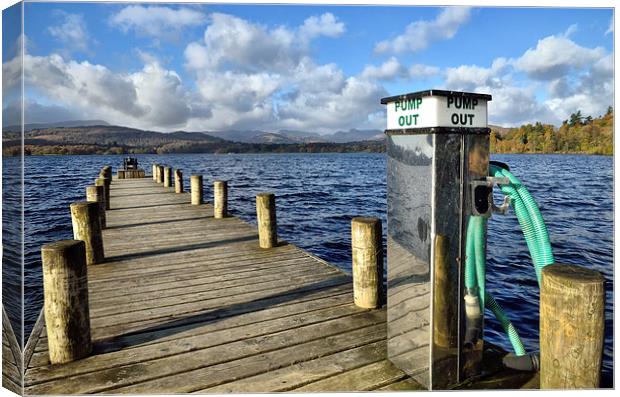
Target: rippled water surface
x=317, y=194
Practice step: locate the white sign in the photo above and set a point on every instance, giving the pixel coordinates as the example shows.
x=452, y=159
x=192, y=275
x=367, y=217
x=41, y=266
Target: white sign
x=437, y=111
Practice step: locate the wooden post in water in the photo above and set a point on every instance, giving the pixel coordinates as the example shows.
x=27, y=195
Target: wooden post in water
x=96, y=194
x=65, y=290
x=178, y=181
x=106, y=190
x=155, y=168
x=445, y=329
x=167, y=177
x=367, y=252
x=220, y=199
x=86, y=227
x=160, y=174
x=195, y=182
x=266, y=219
x=572, y=327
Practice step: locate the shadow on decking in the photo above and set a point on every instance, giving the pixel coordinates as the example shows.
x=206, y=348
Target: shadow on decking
x=155, y=332
x=158, y=222
x=141, y=194
x=171, y=250
x=137, y=207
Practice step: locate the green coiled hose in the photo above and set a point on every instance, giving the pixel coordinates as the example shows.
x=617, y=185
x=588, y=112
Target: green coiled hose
x=536, y=237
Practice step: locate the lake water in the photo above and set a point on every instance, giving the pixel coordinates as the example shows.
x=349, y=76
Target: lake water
x=317, y=194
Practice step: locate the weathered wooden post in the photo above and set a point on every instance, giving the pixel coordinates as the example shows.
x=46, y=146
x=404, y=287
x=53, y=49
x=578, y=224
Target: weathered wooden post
x=65, y=290
x=86, y=227
x=155, y=168
x=178, y=181
x=106, y=190
x=107, y=172
x=195, y=182
x=167, y=177
x=266, y=219
x=445, y=329
x=572, y=327
x=367, y=252
x=121, y=174
x=96, y=194
x=160, y=174
x=220, y=199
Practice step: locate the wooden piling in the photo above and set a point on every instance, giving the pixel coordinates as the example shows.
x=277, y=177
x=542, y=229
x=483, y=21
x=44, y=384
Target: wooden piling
x=107, y=172
x=178, y=181
x=195, y=182
x=155, y=168
x=367, y=252
x=106, y=190
x=121, y=174
x=97, y=194
x=65, y=290
x=160, y=174
x=86, y=227
x=572, y=327
x=167, y=177
x=266, y=219
x=220, y=199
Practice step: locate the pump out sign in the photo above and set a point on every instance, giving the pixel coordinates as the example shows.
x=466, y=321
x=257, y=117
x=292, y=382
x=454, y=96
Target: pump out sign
x=436, y=108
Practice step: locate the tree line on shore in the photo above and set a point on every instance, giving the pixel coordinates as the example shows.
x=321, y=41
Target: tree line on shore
x=578, y=134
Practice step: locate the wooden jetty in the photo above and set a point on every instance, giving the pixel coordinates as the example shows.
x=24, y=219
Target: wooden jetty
x=186, y=302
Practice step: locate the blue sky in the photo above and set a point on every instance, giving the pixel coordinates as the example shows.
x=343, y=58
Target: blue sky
x=317, y=68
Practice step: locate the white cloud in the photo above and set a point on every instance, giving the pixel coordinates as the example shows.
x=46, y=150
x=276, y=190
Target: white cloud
x=159, y=22
x=389, y=70
x=35, y=112
x=423, y=71
x=420, y=34
x=610, y=29
x=555, y=56
x=71, y=32
x=150, y=98
x=324, y=25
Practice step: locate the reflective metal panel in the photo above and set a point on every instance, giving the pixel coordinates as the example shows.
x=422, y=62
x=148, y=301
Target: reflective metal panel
x=428, y=207
x=409, y=179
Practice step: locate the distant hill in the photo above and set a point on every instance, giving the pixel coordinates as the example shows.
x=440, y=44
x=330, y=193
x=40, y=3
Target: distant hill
x=110, y=139
x=69, y=123
x=291, y=136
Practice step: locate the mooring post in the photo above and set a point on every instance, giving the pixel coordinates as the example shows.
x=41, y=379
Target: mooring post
x=266, y=219
x=65, y=300
x=167, y=177
x=155, y=168
x=86, y=227
x=121, y=174
x=96, y=194
x=178, y=181
x=367, y=253
x=160, y=174
x=195, y=182
x=106, y=190
x=107, y=172
x=220, y=199
x=572, y=327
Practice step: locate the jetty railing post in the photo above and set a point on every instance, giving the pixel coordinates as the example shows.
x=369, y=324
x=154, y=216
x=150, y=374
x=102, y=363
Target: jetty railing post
x=572, y=327
x=266, y=219
x=160, y=174
x=87, y=227
x=121, y=174
x=155, y=168
x=65, y=290
x=220, y=199
x=178, y=181
x=367, y=252
x=106, y=190
x=195, y=182
x=167, y=177
x=96, y=194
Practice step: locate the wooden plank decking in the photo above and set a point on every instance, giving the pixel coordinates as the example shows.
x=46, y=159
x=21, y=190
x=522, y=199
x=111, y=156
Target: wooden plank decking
x=189, y=303
x=11, y=357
